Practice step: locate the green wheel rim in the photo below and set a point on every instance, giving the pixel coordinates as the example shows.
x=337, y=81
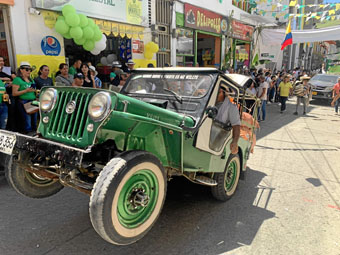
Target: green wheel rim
x=130, y=214
x=231, y=175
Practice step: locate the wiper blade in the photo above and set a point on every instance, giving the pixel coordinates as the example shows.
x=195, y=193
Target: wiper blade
x=178, y=97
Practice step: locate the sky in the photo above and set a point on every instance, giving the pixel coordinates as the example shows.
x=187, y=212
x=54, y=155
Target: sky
x=331, y=1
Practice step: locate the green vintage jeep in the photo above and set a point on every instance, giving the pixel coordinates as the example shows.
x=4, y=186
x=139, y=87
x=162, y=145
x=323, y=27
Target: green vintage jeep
x=122, y=148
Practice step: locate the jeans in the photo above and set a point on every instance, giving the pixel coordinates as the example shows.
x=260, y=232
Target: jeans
x=337, y=103
x=283, y=103
x=302, y=100
x=30, y=119
x=262, y=109
x=271, y=93
x=3, y=115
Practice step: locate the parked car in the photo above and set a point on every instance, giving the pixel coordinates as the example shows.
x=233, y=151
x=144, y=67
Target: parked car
x=322, y=85
x=122, y=148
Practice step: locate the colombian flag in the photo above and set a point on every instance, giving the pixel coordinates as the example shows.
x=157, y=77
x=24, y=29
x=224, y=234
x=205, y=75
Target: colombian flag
x=288, y=39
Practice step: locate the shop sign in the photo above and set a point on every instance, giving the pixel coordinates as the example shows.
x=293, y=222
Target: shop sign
x=50, y=46
x=205, y=20
x=125, y=11
x=242, y=31
x=10, y=2
x=137, y=46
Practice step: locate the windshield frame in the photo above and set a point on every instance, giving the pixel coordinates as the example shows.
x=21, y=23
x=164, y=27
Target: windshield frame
x=186, y=100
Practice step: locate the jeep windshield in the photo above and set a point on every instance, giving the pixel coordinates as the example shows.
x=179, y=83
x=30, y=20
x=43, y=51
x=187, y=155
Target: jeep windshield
x=169, y=84
x=182, y=92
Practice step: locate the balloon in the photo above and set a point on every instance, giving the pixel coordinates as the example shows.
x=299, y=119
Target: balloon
x=61, y=27
x=95, y=52
x=99, y=47
x=88, y=32
x=72, y=20
x=154, y=47
x=84, y=21
x=61, y=18
x=148, y=55
x=97, y=34
x=80, y=41
x=148, y=47
x=67, y=36
x=76, y=32
x=68, y=9
x=91, y=23
x=88, y=45
x=110, y=58
x=103, y=60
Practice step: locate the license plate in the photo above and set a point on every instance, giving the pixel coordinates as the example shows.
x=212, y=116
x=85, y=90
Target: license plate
x=7, y=142
x=314, y=93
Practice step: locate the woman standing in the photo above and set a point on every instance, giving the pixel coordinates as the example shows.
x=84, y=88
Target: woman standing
x=24, y=88
x=88, y=78
x=43, y=79
x=63, y=77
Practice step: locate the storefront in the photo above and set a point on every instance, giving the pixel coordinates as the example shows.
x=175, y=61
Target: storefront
x=200, y=34
x=240, y=50
x=124, y=23
x=5, y=39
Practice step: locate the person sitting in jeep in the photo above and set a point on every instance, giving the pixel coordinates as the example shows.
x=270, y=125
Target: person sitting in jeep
x=228, y=114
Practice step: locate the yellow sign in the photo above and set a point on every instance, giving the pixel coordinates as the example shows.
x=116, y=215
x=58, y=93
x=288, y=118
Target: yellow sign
x=37, y=61
x=134, y=11
x=50, y=18
x=119, y=29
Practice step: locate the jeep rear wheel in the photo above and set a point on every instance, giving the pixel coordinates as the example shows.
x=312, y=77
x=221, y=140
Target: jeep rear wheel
x=127, y=197
x=228, y=180
x=30, y=184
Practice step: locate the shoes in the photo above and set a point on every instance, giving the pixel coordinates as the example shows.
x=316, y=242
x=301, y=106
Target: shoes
x=295, y=113
x=281, y=111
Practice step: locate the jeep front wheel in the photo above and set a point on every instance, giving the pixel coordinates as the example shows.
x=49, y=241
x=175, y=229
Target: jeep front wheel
x=228, y=180
x=30, y=184
x=127, y=197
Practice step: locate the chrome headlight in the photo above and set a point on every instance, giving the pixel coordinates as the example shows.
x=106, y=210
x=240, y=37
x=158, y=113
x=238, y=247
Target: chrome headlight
x=99, y=106
x=48, y=100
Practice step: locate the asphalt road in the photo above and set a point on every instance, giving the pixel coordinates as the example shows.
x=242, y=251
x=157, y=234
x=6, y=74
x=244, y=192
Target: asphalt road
x=288, y=204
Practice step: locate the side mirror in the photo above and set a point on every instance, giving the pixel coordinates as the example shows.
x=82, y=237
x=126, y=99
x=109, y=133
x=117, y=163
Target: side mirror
x=211, y=111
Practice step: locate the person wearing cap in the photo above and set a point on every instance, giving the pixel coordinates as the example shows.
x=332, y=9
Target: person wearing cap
x=94, y=73
x=24, y=88
x=63, y=77
x=115, y=74
x=130, y=66
x=78, y=80
x=303, y=95
x=285, y=89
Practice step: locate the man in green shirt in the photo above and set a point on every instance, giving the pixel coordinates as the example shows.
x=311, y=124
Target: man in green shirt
x=75, y=68
x=285, y=89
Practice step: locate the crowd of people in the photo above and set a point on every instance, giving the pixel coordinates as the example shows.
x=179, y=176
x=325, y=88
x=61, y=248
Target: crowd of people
x=278, y=86
x=20, y=90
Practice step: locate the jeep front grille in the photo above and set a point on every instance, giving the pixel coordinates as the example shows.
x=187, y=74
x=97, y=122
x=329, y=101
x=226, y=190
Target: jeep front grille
x=70, y=126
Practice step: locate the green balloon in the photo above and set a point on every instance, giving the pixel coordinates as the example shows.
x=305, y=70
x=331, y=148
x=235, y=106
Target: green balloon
x=97, y=34
x=67, y=36
x=89, y=45
x=84, y=21
x=61, y=18
x=88, y=32
x=61, y=27
x=72, y=20
x=76, y=32
x=80, y=41
x=91, y=23
x=68, y=9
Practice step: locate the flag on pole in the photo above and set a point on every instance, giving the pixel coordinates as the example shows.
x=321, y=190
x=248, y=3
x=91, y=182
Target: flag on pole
x=289, y=38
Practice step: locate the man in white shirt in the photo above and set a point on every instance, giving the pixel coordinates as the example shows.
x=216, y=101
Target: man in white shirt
x=262, y=94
